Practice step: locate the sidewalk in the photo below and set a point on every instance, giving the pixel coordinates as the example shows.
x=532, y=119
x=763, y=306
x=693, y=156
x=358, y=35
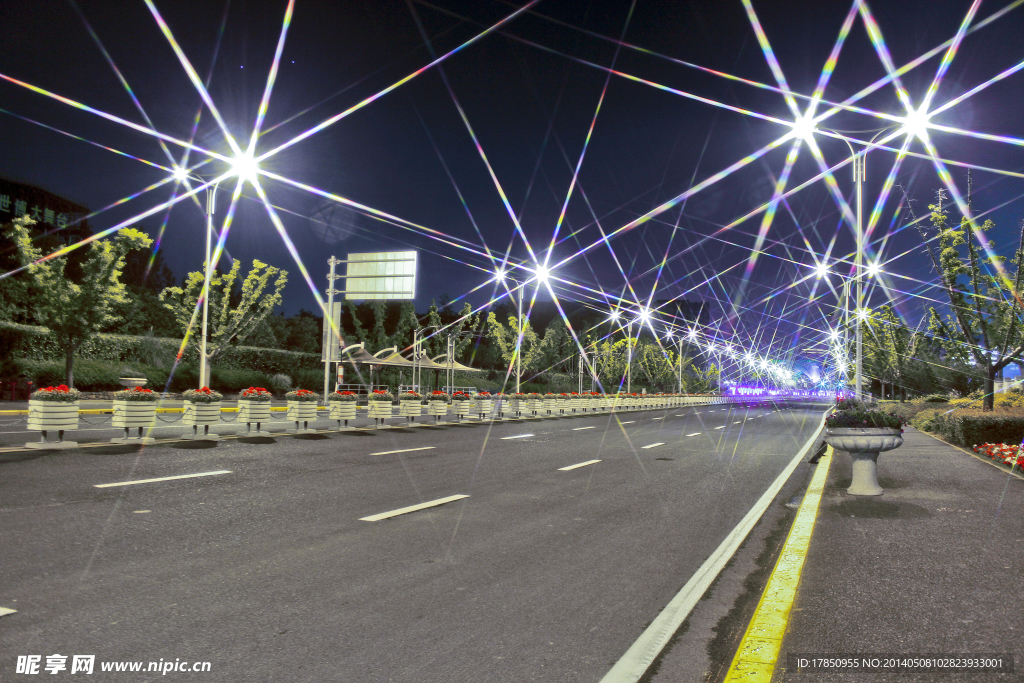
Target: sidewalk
x=933, y=566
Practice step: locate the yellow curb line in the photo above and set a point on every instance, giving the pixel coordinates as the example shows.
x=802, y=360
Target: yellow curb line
x=758, y=652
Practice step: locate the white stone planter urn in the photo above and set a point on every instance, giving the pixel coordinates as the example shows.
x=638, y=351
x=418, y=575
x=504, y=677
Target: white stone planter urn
x=342, y=410
x=864, y=445
x=254, y=413
x=304, y=412
x=203, y=415
x=131, y=415
x=47, y=416
x=437, y=409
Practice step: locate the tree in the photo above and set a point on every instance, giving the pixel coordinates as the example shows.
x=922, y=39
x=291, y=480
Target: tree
x=985, y=321
x=76, y=311
x=228, y=321
x=894, y=346
x=506, y=337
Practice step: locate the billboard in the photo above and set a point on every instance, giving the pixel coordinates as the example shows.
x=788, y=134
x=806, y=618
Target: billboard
x=381, y=275
x=330, y=349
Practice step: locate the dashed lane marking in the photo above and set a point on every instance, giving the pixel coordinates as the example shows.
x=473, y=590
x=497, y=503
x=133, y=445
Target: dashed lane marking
x=149, y=481
x=581, y=464
x=694, y=434
x=517, y=436
x=579, y=429
x=722, y=427
x=405, y=450
x=654, y=445
x=411, y=508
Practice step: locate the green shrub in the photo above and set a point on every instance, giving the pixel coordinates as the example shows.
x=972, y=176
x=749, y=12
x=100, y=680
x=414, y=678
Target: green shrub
x=309, y=379
x=226, y=379
x=935, y=398
x=970, y=427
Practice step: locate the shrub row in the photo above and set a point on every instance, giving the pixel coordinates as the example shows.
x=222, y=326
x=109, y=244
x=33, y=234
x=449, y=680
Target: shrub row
x=968, y=427
x=27, y=343
x=105, y=376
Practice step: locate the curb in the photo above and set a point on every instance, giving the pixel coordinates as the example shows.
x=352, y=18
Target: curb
x=758, y=652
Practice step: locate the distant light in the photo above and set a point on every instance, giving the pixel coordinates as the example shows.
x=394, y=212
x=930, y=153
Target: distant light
x=862, y=314
x=835, y=335
x=645, y=316
x=915, y=124
x=804, y=128
x=764, y=364
x=693, y=333
x=244, y=166
x=821, y=270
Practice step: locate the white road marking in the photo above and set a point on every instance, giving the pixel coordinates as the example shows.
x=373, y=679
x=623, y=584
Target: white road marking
x=577, y=429
x=634, y=664
x=141, y=512
x=737, y=422
x=517, y=436
x=722, y=427
x=582, y=464
x=657, y=418
x=627, y=423
x=694, y=434
x=405, y=450
x=654, y=445
x=411, y=508
x=148, y=481
x=4, y=611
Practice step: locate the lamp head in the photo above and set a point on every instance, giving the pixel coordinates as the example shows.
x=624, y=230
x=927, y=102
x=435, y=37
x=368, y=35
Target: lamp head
x=804, y=128
x=915, y=124
x=244, y=166
x=542, y=274
x=180, y=173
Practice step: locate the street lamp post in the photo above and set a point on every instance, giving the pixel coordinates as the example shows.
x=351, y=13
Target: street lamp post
x=211, y=201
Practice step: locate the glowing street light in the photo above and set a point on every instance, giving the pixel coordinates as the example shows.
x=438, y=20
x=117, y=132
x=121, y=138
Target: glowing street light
x=821, y=270
x=803, y=128
x=542, y=273
x=874, y=269
x=915, y=124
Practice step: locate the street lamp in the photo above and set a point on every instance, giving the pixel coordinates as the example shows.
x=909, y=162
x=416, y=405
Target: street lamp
x=502, y=276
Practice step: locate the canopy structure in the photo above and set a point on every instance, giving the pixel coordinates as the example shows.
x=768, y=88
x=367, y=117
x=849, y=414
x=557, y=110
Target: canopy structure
x=357, y=354
x=395, y=360
x=424, y=363
x=443, y=363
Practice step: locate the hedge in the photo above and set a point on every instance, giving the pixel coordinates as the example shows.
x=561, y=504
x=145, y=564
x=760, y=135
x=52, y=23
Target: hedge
x=971, y=427
x=28, y=343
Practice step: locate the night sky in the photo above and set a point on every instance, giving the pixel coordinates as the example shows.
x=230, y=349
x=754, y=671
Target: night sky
x=529, y=91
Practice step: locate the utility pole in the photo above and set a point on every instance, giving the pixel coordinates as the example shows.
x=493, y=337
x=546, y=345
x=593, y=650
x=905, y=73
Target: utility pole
x=332, y=337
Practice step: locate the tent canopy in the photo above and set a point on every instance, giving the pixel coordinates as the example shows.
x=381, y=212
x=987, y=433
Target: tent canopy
x=442, y=360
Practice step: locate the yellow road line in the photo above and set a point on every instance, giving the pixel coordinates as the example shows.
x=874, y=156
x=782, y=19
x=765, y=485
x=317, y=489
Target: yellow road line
x=758, y=652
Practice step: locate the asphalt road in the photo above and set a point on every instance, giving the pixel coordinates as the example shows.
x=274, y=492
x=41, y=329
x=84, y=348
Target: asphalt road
x=270, y=573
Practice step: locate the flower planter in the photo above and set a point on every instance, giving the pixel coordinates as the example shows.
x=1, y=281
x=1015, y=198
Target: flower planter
x=380, y=410
x=304, y=412
x=551, y=405
x=534, y=405
x=134, y=414
x=342, y=410
x=437, y=409
x=203, y=415
x=864, y=445
x=465, y=408
x=484, y=408
x=254, y=412
x=511, y=407
x=410, y=409
x=47, y=416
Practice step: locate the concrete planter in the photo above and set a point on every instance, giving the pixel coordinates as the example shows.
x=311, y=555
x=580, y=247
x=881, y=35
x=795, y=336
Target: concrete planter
x=437, y=409
x=48, y=416
x=253, y=412
x=510, y=407
x=203, y=415
x=552, y=405
x=864, y=445
x=534, y=405
x=134, y=414
x=464, y=408
x=342, y=410
x=304, y=412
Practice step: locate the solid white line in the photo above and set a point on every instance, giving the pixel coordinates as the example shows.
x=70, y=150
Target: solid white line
x=577, y=429
x=148, y=481
x=737, y=422
x=627, y=423
x=654, y=445
x=657, y=418
x=405, y=450
x=517, y=436
x=722, y=427
x=694, y=434
x=632, y=665
x=411, y=508
x=582, y=464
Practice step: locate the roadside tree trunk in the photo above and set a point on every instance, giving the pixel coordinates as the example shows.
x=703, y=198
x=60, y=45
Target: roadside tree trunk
x=990, y=387
x=69, y=366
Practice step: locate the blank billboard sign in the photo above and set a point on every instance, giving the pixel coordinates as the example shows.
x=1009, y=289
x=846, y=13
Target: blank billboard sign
x=381, y=275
